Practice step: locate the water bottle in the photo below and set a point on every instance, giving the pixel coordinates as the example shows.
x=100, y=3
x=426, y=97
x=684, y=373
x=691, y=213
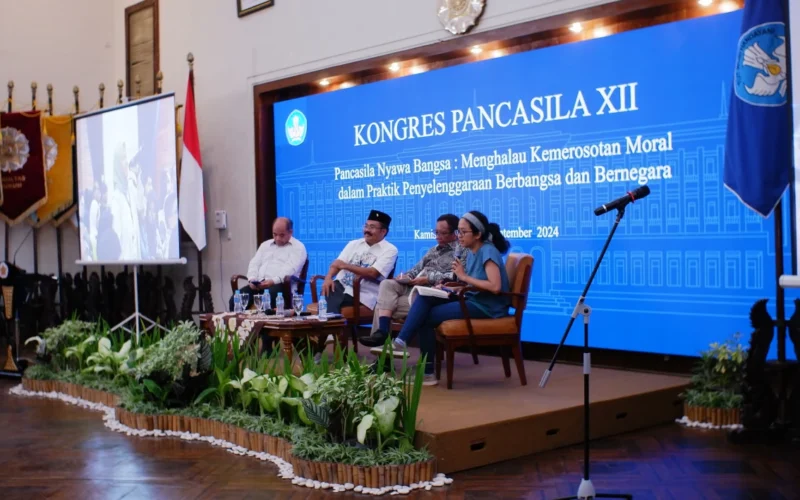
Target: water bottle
x=279, y=305
x=237, y=302
x=322, y=307
x=267, y=300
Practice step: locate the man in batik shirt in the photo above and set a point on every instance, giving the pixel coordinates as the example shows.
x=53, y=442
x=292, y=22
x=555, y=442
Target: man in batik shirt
x=434, y=268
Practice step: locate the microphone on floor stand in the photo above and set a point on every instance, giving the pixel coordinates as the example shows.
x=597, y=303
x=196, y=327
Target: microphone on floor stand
x=622, y=202
x=586, y=488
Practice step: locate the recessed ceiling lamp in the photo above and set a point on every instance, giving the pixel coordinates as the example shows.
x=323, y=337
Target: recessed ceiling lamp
x=324, y=82
x=394, y=67
x=728, y=6
x=576, y=27
x=705, y=3
x=476, y=49
x=498, y=53
x=601, y=31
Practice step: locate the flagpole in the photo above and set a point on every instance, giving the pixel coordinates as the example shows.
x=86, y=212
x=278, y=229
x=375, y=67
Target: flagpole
x=7, y=228
x=792, y=179
x=190, y=60
x=50, y=112
x=59, y=254
x=783, y=409
x=34, y=232
x=159, y=269
x=779, y=291
x=101, y=104
x=76, y=91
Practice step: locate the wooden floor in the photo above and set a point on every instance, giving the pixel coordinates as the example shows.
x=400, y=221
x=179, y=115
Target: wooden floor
x=488, y=418
x=52, y=450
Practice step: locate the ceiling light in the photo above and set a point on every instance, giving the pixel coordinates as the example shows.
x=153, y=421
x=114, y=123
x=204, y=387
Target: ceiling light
x=728, y=6
x=476, y=49
x=498, y=53
x=576, y=27
x=394, y=67
x=601, y=31
x=345, y=85
x=705, y=3
x=324, y=83
x=415, y=70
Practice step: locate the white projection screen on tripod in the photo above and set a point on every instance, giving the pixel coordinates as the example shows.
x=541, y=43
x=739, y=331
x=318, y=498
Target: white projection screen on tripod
x=127, y=171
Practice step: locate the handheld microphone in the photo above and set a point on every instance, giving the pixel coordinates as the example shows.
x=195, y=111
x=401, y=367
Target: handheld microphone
x=458, y=255
x=623, y=201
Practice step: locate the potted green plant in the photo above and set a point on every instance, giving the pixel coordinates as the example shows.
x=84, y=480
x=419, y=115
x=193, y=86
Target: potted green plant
x=715, y=395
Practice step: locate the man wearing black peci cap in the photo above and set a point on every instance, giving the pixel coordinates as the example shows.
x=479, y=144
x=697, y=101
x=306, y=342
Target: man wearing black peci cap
x=371, y=257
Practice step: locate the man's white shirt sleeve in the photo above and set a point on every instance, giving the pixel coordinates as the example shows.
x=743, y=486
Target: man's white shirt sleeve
x=296, y=262
x=255, y=262
x=345, y=255
x=386, y=260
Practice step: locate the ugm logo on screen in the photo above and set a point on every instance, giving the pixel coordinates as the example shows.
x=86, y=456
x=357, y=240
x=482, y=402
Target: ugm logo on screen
x=760, y=78
x=296, y=127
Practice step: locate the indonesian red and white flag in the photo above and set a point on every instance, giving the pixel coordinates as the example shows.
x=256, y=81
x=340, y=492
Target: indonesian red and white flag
x=192, y=207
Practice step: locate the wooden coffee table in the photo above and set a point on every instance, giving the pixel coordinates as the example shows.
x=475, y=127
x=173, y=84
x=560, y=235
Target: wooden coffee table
x=287, y=329
x=290, y=329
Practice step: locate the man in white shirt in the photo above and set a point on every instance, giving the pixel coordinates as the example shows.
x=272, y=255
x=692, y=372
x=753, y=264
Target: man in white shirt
x=275, y=259
x=435, y=268
x=371, y=257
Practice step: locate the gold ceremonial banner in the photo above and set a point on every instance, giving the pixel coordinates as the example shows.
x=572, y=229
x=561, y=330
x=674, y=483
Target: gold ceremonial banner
x=22, y=166
x=58, y=162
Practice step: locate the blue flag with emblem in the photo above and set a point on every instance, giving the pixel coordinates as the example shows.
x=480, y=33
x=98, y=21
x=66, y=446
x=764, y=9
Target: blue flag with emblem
x=758, y=143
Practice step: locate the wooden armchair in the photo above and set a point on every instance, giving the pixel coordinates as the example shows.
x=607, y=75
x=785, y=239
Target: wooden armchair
x=353, y=314
x=503, y=332
x=287, y=284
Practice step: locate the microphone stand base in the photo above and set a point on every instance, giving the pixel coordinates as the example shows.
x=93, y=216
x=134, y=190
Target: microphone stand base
x=586, y=491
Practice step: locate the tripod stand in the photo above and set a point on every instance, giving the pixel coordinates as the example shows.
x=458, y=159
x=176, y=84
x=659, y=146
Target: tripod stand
x=137, y=317
x=586, y=489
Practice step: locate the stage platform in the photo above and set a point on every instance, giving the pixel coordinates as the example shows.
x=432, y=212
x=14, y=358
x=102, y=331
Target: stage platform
x=487, y=418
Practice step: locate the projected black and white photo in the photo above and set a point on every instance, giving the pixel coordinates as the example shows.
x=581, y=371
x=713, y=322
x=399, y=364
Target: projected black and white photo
x=128, y=205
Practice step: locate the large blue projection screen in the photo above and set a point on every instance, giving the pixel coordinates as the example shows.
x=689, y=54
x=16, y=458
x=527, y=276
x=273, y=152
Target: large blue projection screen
x=536, y=141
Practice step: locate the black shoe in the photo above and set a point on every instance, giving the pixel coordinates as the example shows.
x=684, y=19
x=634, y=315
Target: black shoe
x=378, y=338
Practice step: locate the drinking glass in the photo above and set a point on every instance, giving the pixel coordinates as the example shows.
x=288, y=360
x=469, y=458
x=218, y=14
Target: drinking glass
x=257, y=301
x=297, y=303
x=245, y=301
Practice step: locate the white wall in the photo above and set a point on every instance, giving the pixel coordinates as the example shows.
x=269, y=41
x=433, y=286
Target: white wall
x=82, y=42
x=293, y=37
x=65, y=43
